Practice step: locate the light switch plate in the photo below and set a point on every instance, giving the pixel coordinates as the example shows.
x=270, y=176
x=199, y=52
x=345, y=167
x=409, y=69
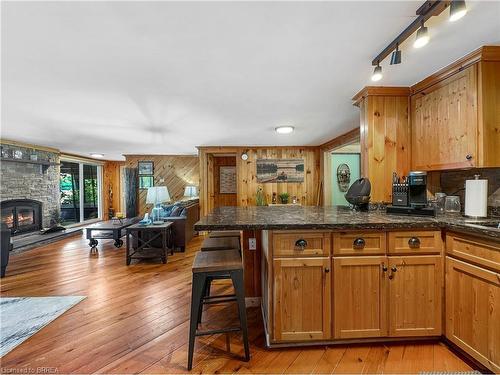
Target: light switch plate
x=252, y=244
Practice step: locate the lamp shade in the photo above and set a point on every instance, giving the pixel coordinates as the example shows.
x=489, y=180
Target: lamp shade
x=157, y=195
x=190, y=191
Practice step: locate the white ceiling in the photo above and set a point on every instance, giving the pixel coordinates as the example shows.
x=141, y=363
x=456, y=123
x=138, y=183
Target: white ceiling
x=164, y=77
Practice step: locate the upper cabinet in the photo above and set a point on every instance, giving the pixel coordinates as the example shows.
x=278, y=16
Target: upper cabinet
x=455, y=122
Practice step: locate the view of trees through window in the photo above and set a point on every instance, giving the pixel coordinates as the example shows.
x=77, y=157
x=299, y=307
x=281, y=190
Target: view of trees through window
x=70, y=198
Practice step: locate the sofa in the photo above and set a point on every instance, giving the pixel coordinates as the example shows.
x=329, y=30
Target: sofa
x=184, y=214
x=5, y=248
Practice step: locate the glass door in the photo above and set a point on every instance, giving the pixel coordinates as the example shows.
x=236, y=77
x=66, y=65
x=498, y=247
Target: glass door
x=80, y=187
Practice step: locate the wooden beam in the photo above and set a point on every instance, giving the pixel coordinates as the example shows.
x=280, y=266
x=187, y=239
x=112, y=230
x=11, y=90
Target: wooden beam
x=349, y=137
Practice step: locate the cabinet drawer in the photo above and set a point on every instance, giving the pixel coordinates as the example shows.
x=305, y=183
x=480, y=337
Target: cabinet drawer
x=415, y=242
x=359, y=243
x=291, y=243
x=475, y=250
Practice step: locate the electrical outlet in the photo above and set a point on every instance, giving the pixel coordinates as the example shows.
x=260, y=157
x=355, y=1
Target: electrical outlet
x=252, y=244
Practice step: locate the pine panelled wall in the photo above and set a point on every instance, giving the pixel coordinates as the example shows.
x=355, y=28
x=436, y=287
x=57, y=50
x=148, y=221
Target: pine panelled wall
x=176, y=171
x=307, y=192
x=111, y=187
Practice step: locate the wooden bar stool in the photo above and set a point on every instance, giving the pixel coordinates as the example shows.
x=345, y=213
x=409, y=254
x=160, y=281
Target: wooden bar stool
x=220, y=243
x=213, y=265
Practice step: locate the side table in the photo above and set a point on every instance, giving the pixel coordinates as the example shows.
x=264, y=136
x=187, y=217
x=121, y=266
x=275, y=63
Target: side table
x=145, y=236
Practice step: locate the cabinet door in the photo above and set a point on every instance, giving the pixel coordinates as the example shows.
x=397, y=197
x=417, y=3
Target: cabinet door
x=415, y=295
x=473, y=311
x=302, y=289
x=360, y=296
x=444, y=123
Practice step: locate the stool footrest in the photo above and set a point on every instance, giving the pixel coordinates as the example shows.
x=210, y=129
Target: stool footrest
x=216, y=331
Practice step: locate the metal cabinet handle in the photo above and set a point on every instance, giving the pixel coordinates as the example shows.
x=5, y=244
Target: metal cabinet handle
x=468, y=157
x=359, y=243
x=414, y=243
x=327, y=270
x=384, y=267
x=301, y=244
x=393, y=270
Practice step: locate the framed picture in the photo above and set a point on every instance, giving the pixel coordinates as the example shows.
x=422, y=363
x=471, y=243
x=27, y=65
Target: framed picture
x=146, y=168
x=146, y=182
x=227, y=180
x=280, y=170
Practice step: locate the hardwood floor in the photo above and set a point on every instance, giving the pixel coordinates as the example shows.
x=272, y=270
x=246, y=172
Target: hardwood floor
x=135, y=320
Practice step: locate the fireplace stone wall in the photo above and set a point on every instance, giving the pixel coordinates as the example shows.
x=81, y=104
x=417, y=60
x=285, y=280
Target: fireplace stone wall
x=30, y=181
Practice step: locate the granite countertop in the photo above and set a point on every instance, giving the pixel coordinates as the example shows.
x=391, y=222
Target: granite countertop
x=334, y=217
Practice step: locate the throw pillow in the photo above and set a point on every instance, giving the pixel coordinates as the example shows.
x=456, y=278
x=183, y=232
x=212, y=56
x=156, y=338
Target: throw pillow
x=176, y=211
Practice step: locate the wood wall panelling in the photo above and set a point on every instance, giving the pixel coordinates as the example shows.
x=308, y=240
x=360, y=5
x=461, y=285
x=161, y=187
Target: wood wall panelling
x=111, y=187
x=246, y=171
x=177, y=171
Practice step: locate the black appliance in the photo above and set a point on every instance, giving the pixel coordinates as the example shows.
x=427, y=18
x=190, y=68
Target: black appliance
x=409, y=195
x=359, y=194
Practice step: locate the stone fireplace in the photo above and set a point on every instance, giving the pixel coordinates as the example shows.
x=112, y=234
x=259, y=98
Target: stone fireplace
x=29, y=190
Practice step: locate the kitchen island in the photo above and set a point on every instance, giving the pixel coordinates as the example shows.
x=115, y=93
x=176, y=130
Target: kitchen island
x=333, y=275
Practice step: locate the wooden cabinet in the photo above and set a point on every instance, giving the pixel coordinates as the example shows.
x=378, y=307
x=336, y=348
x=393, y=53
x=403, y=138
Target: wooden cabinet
x=360, y=297
x=359, y=243
x=473, y=311
x=415, y=242
x=454, y=114
x=444, y=123
x=301, y=244
x=302, y=290
x=415, y=295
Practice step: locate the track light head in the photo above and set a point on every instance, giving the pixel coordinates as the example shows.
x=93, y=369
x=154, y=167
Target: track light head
x=422, y=37
x=396, y=56
x=377, y=73
x=458, y=9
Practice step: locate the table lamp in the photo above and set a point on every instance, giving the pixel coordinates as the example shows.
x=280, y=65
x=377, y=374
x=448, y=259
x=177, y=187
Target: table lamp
x=157, y=195
x=190, y=191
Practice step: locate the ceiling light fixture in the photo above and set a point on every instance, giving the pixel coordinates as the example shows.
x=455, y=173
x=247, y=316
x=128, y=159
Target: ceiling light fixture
x=284, y=129
x=377, y=73
x=458, y=9
x=396, y=56
x=96, y=155
x=422, y=36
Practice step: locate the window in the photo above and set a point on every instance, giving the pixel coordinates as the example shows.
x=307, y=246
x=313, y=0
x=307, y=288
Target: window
x=80, y=186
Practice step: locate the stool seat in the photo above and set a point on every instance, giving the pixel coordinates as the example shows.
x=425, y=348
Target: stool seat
x=224, y=233
x=217, y=260
x=209, y=266
x=220, y=243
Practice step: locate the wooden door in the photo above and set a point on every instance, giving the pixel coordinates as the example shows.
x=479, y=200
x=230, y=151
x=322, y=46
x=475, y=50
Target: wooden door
x=360, y=297
x=222, y=197
x=302, y=290
x=415, y=295
x=444, y=123
x=473, y=311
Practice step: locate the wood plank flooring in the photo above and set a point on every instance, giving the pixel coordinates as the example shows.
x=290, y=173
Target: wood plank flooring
x=135, y=320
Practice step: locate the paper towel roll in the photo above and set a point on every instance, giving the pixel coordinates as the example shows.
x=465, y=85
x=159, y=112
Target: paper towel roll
x=476, y=198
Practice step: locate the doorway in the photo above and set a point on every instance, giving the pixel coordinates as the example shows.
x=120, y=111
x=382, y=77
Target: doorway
x=224, y=181
x=346, y=168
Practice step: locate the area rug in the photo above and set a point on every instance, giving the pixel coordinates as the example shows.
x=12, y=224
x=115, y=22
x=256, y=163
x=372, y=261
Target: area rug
x=22, y=317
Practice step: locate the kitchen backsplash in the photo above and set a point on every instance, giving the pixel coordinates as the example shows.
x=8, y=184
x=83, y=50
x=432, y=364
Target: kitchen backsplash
x=451, y=181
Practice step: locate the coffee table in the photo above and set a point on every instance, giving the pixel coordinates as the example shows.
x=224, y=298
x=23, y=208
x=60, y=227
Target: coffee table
x=109, y=229
x=144, y=236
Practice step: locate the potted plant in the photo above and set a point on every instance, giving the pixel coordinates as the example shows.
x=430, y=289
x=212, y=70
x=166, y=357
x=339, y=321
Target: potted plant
x=284, y=197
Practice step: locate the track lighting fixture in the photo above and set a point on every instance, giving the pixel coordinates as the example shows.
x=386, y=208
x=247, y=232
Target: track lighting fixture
x=396, y=56
x=422, y=36
x=457, y=10
x=377, y=73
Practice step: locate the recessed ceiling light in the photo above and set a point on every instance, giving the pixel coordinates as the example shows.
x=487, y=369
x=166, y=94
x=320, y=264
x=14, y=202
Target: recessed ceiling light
x=457, y=10
x=95, y=155
x=422, y=37
x=377, y=73
x=284, y=129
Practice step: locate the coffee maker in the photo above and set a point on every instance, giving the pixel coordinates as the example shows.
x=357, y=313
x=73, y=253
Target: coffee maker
x=409, y=195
